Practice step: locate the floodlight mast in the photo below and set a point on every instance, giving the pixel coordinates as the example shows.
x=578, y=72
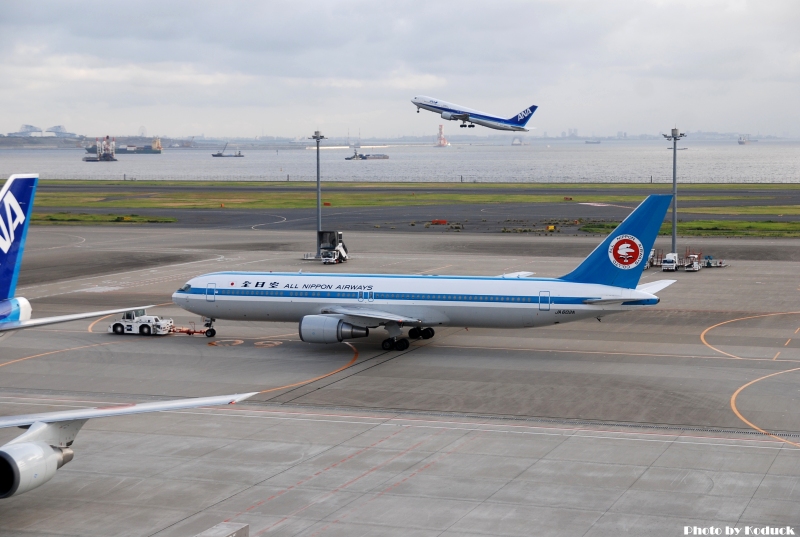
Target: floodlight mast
x=674, y=137
x=317, y=136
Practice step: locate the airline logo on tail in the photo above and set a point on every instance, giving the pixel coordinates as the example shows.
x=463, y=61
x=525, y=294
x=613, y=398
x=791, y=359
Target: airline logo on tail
x=525, y=113
x=625, y=252
x=14, y=216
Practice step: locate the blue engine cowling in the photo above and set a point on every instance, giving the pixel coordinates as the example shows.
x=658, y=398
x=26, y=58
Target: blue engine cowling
x=15, y=309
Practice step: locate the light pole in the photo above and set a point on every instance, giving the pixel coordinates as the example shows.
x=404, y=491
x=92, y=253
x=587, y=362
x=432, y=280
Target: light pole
x=317, y=136
x=675, y=136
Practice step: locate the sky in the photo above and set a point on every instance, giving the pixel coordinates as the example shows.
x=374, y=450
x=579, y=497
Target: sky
x=289, y=68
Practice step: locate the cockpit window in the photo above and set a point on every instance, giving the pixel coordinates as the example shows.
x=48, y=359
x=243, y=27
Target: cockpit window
x=186, y=288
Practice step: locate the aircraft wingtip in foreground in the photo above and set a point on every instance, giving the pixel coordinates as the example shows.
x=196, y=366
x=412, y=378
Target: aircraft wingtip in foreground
x=31, y=459
x=330, y=308
x=469, y=117
x=16, y=207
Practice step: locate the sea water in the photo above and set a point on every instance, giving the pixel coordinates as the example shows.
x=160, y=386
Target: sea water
x=540, y=162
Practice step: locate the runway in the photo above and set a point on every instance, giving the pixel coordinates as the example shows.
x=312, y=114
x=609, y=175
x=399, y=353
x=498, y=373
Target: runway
x=642, y=424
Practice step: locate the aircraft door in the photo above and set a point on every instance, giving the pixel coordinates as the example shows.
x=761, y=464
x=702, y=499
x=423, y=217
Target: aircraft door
x=361, y=296
x=370, y=296
x=211, y=292
x=544, y=300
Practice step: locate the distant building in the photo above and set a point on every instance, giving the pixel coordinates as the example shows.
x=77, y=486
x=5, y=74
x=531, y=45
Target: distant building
x=27, y=130
x=61, y=132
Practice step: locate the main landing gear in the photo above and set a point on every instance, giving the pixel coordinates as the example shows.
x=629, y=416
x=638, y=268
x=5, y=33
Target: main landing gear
x=400, y=344
x=471, y=126
x=396, y=344
x=424, y=333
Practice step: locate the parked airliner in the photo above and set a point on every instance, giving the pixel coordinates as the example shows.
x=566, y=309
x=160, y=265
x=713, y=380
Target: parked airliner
x=469, y=117
x=31, y=459
x=16, y=207
x=331, y=308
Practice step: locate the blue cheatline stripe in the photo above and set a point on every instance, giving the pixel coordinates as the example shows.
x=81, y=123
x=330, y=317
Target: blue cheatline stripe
x=417, y=297
x=475, y=115
x=385, y=276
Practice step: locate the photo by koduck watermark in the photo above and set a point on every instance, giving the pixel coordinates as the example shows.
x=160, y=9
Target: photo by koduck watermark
x=744, y=530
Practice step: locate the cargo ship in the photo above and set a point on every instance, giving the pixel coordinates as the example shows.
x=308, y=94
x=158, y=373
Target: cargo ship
x=744, y=140
x=153, y=149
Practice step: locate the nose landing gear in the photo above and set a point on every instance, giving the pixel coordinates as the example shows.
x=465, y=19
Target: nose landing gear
x=208, y=323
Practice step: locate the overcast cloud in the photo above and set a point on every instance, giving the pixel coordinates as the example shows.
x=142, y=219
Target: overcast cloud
x=288, y=68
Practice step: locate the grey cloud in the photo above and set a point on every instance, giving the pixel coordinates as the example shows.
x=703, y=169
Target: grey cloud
x=597, y=66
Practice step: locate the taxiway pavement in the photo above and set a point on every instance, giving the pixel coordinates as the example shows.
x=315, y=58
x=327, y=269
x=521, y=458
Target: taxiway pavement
x=642, y=424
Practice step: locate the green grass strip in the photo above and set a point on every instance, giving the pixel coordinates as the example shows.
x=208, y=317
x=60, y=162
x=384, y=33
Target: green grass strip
x=713, y=228
x=97, y=219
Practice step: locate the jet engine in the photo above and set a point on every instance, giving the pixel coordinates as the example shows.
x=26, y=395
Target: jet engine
x=447, y=115
x=324, y=329
x=15, y=309
x=27, y=465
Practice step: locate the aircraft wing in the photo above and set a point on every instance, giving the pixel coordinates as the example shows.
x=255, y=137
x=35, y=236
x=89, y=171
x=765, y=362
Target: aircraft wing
x=121, y=410
x=381, y=316
x=607, y=300
x=522, y=274
x=655, y=287
x=30, y=323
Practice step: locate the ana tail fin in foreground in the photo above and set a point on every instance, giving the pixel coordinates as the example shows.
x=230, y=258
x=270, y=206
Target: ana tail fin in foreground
x=522, y=118
x=620, y=259
x=16, y=206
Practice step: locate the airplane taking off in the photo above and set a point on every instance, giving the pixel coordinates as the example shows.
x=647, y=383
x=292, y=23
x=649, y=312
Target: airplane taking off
x=469, y=117
x=16, y=206
x=333, y=307
x=31, y=459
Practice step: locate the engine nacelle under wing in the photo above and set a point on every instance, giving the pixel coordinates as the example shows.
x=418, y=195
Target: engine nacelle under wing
x=325, y=329
x=15, y=309
x=27, y=465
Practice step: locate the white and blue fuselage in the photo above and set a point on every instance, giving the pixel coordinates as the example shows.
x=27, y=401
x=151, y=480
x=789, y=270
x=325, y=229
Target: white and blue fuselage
x=456, y=112
x=334, y=307
x=490, y=302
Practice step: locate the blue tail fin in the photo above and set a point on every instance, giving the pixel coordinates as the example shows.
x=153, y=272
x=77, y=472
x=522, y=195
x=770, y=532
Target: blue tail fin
x=522, y=118
x=16, y=206
x=620, y=259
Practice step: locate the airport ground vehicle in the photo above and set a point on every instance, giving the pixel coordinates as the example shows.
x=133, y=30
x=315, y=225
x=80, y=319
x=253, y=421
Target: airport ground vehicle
x=692, y=263
x=669, y=263
x=332, y=249
x=138, y=322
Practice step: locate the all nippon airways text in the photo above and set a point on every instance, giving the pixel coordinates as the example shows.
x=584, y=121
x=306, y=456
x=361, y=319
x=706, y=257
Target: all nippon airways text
x=745, y=530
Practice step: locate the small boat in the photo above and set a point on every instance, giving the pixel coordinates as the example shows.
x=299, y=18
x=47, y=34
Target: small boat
x=592, y=141
x=359, y=156
x=223, y=154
